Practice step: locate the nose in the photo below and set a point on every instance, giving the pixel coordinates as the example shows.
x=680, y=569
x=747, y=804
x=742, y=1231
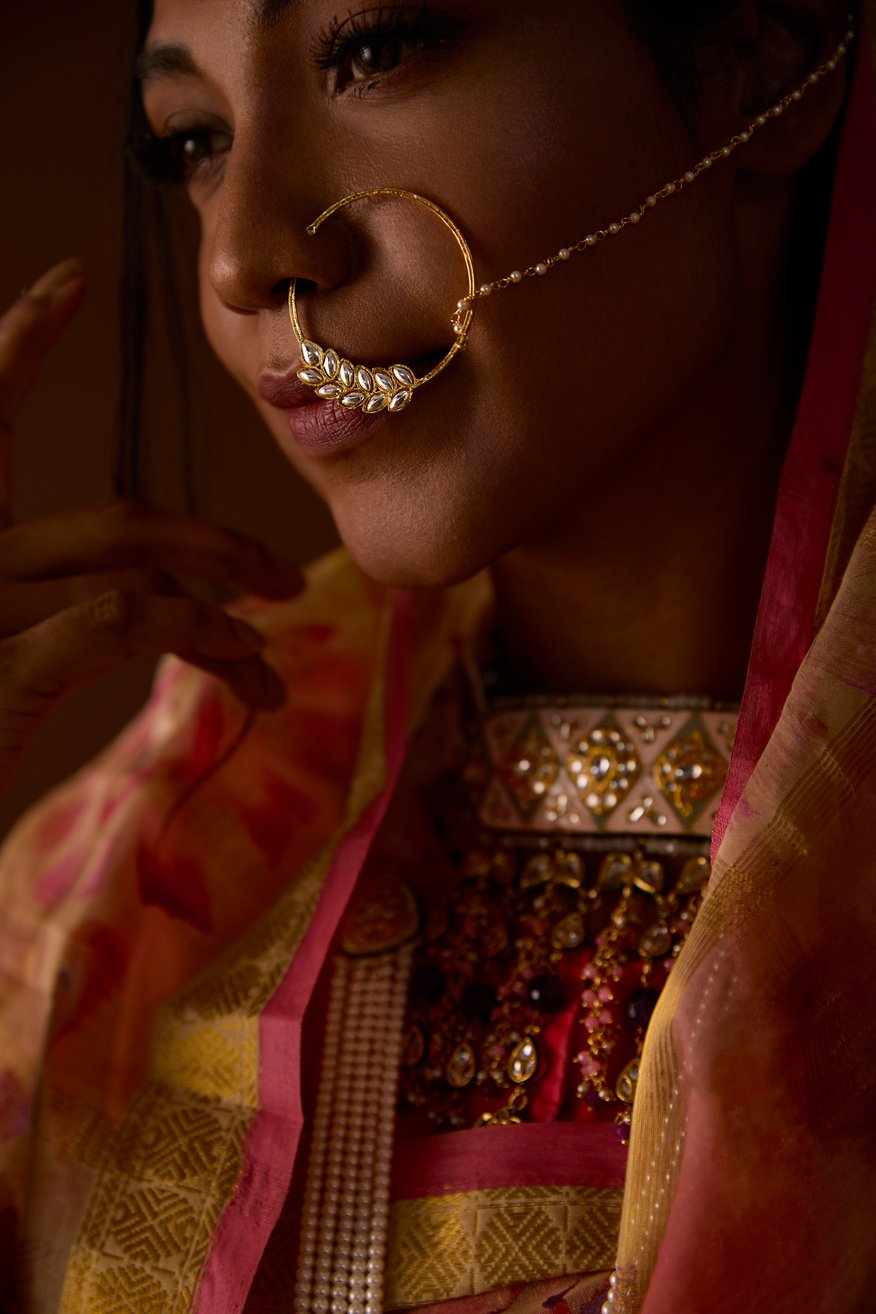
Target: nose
x=259, y=241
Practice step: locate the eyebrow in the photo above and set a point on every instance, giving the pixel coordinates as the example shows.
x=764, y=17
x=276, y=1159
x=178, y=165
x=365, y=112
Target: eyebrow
x=163, y=61
x=267, y=12
x=172, y=59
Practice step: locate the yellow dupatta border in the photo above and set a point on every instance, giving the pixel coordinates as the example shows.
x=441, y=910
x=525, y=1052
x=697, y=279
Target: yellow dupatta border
x=446, y=1247
x=166, y=1175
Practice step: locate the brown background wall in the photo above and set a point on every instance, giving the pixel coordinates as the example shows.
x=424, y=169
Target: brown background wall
x=63, y=74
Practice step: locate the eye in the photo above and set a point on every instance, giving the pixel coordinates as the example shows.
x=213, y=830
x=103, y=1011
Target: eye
x=181, y=155
x=378, y=55
x=194, y=147
x=365, y=47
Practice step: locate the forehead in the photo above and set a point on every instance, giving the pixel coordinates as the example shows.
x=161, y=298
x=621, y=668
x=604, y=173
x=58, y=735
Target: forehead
x=256, y=14
x=193, y=37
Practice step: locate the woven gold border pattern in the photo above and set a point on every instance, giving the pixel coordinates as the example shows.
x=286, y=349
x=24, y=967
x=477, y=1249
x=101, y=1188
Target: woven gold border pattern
x=445, y=1247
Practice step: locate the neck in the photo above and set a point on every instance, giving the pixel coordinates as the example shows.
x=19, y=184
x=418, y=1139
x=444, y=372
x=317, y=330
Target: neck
x=651, y=583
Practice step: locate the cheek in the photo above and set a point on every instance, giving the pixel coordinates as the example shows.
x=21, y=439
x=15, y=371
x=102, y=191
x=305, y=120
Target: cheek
x=608, y=338
x=602, y=347
x=564, y=375
x=578, y=376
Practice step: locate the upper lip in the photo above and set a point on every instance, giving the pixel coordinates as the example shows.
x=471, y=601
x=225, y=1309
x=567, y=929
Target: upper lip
x=284, y=389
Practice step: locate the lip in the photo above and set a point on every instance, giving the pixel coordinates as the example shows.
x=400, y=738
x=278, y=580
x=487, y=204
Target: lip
x=320, y=427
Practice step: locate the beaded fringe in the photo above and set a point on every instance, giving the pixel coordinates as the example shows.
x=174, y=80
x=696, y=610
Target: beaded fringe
x=342, y=1255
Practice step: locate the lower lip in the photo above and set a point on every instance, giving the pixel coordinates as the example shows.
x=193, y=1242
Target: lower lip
x=323, y=428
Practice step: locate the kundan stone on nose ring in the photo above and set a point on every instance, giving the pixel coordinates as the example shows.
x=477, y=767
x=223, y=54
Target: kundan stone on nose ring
x=390, y=387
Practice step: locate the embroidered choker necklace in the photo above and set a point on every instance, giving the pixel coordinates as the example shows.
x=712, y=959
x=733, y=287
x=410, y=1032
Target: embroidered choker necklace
x=634, y=767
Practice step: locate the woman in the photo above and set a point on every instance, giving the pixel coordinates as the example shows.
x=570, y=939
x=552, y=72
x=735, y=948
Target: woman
x=624, y=497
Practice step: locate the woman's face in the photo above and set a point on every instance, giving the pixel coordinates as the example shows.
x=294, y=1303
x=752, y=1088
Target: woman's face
x=531, y=125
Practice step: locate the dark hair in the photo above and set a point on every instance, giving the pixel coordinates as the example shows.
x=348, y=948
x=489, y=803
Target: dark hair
x=674, y=30
x=683, y=20
x=150, y=260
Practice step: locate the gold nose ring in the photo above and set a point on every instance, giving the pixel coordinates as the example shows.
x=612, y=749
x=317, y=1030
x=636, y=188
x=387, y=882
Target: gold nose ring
x=334, y=376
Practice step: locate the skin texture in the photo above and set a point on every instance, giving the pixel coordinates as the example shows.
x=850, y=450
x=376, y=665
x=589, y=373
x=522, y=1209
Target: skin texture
x=610, y=441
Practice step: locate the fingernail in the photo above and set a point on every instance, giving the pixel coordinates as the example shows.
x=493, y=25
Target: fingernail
x=248, y=634
x=57, y=279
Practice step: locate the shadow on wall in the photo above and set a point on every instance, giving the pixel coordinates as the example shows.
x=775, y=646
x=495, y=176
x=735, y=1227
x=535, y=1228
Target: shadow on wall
x=63, y=87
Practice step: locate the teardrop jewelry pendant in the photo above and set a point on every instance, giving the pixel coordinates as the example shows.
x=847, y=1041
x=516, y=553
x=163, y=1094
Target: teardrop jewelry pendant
x=380, y=388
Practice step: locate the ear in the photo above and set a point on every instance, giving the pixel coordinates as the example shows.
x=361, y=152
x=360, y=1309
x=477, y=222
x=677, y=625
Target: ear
x=778, y=44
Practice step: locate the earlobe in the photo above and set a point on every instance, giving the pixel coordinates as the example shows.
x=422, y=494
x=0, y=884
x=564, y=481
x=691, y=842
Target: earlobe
x=788, y=42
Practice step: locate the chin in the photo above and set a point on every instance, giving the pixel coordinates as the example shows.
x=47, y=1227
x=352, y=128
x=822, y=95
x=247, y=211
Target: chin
x=426, y=554
x=388, y=564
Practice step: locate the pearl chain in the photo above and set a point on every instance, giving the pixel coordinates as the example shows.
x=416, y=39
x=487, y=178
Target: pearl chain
x=673, y=188
x=345, y=1218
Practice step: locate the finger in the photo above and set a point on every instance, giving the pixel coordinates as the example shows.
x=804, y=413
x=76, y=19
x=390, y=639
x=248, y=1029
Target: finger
x=252, y=681
x=24, y=603
x=40, y=666
x=27, y=331
x=30, y=326
x=128, y=533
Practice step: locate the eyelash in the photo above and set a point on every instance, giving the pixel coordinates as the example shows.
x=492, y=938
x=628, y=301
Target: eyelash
x=343, y=38
x=161, y=158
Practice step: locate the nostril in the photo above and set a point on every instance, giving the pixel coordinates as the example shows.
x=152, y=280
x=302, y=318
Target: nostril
x=280, y=290
x=305, y=285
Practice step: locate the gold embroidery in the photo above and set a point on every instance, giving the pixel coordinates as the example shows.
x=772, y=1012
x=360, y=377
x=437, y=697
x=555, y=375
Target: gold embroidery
x=445, y=1247
x=155, y=1204
x=603, y=766
x=530, y=768
x=688, y=772
x=586, y=768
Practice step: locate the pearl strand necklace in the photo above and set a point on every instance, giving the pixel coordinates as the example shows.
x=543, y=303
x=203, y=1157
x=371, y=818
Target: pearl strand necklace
x=345, y=1217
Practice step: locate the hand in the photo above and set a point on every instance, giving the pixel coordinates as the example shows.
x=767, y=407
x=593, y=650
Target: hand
x=87, y=590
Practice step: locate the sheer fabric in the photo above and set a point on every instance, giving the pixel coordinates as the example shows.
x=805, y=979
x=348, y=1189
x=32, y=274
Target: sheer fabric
x=752, y=1177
